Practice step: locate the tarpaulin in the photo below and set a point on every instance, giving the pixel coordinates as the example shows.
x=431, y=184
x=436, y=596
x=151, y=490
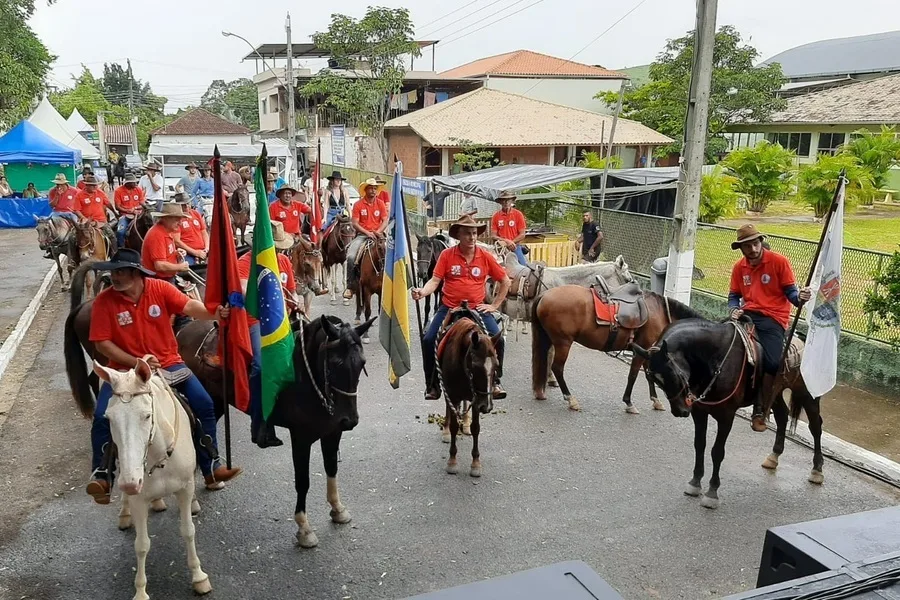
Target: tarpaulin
x=20, y=212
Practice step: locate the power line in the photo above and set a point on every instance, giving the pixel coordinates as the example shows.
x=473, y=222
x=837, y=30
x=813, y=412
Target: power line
x=452, y=33
x=441, y=18
x=450, y=41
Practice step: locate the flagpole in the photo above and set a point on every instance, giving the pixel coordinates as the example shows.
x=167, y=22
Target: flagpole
x=409, y=273
x=219, y=222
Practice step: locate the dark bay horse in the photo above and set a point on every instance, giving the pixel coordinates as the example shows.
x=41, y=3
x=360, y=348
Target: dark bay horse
x=702, y=368
x=306, y=260
x=138, y=228
x=371, y=271
x=239, y=207
x=57, y=234
x=334, y=252
x=427, y=252
x=565, y=315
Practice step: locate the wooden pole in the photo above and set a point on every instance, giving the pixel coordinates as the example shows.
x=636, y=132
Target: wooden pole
x=219, y=223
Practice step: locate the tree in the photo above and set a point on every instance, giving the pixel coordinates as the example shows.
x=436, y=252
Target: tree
x=718, y=198
x=85, y=96
x=876, y=152
x=818, y=182
x=764, y=173
x=474, y=157
x=24, y=62
x=883, y=300
x=740, y=91
x=115, y=86
x=375, y=49
x=236, y=101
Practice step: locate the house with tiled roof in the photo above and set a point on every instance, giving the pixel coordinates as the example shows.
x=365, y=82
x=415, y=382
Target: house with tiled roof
x=199, y=126
x=543, y=77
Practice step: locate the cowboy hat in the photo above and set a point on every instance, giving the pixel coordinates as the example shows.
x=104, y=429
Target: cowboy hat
x=190, y=165
x=336, y=175
x=281, y=240
x=506, y=195
x=273, y=170
x=60, y=179
x=152, y=166
x=169, y=209
x=90, y=180
x=380, y=180
x=466, y=221
x=370, y=182
x=181, y=198
x=124, y=258
x=747, y=233
x=87, y=169
x=130, y=178
x=284, y=188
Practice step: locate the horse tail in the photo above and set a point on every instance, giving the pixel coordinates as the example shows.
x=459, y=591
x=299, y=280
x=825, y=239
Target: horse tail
x=77, y=282
x=540, y=349
x=76, y=367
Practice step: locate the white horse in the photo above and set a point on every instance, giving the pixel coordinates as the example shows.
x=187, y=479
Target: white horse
x=151, y=430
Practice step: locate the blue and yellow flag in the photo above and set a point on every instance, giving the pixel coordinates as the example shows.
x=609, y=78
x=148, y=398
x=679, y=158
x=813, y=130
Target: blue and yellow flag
x=265, y=300
x=393, y=329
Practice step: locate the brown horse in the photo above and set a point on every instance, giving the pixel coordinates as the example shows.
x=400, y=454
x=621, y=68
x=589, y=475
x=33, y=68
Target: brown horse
x=306, y=260
x=138, y=228
x=334, y=252
x=565, y=315
x=239, y=207
x=90, y=243
x=57, y=234
x=371, y=271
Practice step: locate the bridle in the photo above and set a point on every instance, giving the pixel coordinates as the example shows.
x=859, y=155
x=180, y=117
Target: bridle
x=468, y=372
x=326, y=395
x=55, y=237
x=126, y=399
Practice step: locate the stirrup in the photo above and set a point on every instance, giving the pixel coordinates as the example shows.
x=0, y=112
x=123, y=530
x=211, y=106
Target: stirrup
x=206, y=443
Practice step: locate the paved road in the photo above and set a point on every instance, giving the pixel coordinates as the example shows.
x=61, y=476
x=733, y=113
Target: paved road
x=600, y=485
x=24, y=267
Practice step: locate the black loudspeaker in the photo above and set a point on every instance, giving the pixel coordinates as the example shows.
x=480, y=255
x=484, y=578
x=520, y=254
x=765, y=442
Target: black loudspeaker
x=804, y=549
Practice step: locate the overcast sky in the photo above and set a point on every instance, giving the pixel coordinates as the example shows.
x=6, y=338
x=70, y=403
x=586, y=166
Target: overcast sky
x=179, y=50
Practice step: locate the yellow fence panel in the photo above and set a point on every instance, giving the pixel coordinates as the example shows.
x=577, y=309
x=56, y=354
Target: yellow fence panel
x=555, y=254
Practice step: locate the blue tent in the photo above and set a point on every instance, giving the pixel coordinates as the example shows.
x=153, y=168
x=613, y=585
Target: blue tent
x=25, y=143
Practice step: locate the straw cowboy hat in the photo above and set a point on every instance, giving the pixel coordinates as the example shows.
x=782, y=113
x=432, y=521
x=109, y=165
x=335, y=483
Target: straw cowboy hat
x=336, y=175
x=281, y=240
x=370, y=182
x=285, y=188
x=380, y=180
x=169, y=209
x=747, y=233
x=124, y=258
x=60, y=179
x=90, y=180
x=466, y=221
x=506, y=195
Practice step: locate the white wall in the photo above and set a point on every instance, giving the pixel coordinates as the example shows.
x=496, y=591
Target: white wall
x=577, y=93
x=203, y=139
x=361, y=151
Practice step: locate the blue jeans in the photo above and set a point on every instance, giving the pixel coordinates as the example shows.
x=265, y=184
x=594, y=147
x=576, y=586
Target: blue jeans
x=331, y=216
x=121, y=228
x=255, y=375
x=490, y=323
x=198, y=399
x=191, y=260
x=520, y=254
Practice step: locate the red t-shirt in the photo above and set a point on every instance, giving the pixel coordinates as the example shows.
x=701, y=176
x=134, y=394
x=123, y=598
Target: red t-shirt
x=370, y=215
x=762, y=286
x=158, y=245
x=139, y=328
x=92, y=205
x=465, y=280
x=284, y=265
x=80, y=185
x=63, y=201
x=192, y=229
x=385, y=197
x=128, y=199
x=508, y=226
x=289, y=216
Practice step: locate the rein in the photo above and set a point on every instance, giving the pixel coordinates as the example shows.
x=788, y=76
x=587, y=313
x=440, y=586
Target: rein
x=154, y=428
x=437, y=364
x=325, y=397
x=688, y=395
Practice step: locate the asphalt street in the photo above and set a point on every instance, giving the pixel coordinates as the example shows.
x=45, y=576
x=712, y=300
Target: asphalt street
x=24, y=267
x=601, y=486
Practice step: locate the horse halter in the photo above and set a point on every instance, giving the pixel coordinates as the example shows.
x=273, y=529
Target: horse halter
x=126, y=399
x=326, y=396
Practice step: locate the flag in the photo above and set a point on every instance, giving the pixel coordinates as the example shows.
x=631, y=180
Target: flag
x=316, y=215
x=265, y=301
x=393, y=328
x=819, y=365
x=223, y=287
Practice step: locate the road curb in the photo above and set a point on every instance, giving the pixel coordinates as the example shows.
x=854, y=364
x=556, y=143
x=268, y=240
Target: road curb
x=12, y=343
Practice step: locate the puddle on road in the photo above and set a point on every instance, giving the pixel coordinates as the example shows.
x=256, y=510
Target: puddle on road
x=864, y=419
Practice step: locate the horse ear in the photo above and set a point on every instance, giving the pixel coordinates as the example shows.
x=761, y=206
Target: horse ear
x=107, y=375
x=362, y=329
x=476, y=337
x=620, y=261
x=420, y=237
x=640, y=351
x=331, y=332
x=143, y=370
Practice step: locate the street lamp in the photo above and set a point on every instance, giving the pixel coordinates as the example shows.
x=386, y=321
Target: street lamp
x=252, y=47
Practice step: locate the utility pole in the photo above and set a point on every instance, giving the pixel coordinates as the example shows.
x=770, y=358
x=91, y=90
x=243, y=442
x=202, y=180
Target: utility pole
x=609, y=146
x=687, y=199
x=292, y=116
x=131, y=119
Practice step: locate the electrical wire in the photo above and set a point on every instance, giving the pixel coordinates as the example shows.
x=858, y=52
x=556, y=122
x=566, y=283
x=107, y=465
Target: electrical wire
x=441, y=18
x=452, y=39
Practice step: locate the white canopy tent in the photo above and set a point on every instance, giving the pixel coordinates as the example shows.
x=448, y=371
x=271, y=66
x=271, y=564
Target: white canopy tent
x=47, y=119
x=162, y=149
x=79, y=123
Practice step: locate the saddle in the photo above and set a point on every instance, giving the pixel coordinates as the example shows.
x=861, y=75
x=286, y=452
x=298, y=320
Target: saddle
x=526, y=283
x=457, y=314
x=622, y=307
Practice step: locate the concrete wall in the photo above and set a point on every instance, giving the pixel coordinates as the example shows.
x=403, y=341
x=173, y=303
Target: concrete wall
x=534, y=155
x=577, y=93
x=407, y=146
x=203, y=139
x=361, y=151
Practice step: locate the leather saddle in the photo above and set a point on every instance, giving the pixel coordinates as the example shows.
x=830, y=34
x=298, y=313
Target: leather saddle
x=622, y=307
x=526, y=283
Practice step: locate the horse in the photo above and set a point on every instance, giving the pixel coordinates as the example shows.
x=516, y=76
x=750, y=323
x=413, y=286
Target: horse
x=138, y=228
x=119, y=169
x=703, y=369
x=334, y=252
x=90, y=243
x=371, y=272
x=306, y=260
x=466, y=363
x=565, y=314
x=427, y=252
x=57, y=234
x=239, y=207
x=150, y=430
x=319, y=405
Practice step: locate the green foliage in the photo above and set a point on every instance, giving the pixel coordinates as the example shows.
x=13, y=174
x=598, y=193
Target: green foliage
x=473, y=157
x=876, y=152
x=883, y=301
x=818, y=182
x=718, y=198
x=85, y=96
x=24, y=62
x=764, y=173
x=740, y=91
x=375, y=47
x=236, y=101
x=115, y=86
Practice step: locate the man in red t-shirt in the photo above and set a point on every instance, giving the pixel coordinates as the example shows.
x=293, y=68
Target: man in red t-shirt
x=763, y=288
x=288, y=211
x=159, y=253
x=370, y=219
x=131, y=321
x=91, y=203
x=193, y=236
x=128, y=199
x=383, y=194
x=464, y=269
x=508, y=225
x=62, y=198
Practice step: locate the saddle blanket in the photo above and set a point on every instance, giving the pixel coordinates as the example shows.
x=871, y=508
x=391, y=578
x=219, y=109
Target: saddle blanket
x=605, y=313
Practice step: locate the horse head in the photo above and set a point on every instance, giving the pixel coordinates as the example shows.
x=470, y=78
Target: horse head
x=52, y=230
x=671, y=371
x=480, y=366
x=622, y=273
x=425, y=255
x=239, y=203
x=307, y=261
x=345, y=229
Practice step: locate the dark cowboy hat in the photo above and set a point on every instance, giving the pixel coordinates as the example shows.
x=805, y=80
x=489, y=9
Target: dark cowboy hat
x=747, y=233
x=336, y=175
x=130, y=178
x=124, y=258
x=285, y=188
x=466, y=221
x=188, y=166
x=181, y=198
x=506, y=195
x=90, y=180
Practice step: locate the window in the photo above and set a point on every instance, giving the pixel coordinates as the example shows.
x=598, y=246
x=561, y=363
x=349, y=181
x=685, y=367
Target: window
x=273, y=103
x=798, y=142
x=830, y=142
x=264, y=104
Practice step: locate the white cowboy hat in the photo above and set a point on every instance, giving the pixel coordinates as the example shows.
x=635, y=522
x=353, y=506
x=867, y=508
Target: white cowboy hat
x=169, y=209
x=280, y=238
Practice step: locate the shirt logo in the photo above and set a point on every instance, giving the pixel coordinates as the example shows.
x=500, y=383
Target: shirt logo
x=476, y=272
x=284, y=278
x=171, y=248
x=282, y=215
x=746, y=280
x=185, y=224
x=500, y=223
x=296, y=213
x=364, y=212
x=456, y=270
x=196, y=223
x=124, y=318
x=97, y=200
x=377, y=213
x=154, y=310
x=765, y=278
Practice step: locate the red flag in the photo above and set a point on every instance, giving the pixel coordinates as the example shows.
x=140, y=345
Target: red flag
x=223, y=286
x=316, y=216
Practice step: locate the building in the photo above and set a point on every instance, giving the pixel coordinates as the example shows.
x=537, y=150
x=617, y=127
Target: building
x=819, y=122
x=119, y=138
x=199, y=126
x=517, y=128
x=543, y=77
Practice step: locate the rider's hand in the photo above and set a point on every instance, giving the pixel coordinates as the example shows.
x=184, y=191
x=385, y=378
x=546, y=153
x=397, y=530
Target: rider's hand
x=372, y=235
x=511, y=245
x=184, y=266
x=201, y=254
x=805, y=294
x=736, y=314
x=181, y=252
x=488, y=308
x=417, y=294
x=152, y=361
x=223, y=312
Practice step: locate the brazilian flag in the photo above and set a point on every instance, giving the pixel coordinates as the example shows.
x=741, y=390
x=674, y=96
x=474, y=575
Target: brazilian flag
x=265, y=300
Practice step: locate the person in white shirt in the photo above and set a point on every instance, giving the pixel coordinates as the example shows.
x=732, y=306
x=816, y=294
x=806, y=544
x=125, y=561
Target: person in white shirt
x=153, y=185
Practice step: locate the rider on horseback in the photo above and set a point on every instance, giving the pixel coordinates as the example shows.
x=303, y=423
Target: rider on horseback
x=193, y=237
x=91, y=204
x=508, y=226
x=128, y=198
x=288, y=211
x=335, y=198
x=464, y=270
x=370, y=219
x=763, y=288
x=62, y=198
x=159, y=253
x=131, y=321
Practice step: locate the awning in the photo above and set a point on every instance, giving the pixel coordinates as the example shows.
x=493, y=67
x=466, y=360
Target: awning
x=488, y=183
x=226, y=150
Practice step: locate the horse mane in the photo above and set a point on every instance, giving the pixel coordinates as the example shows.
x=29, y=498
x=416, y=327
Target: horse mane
x=679, y=310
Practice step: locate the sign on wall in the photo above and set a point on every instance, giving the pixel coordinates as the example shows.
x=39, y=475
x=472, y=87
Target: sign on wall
x=338, y=146
x=414, y=187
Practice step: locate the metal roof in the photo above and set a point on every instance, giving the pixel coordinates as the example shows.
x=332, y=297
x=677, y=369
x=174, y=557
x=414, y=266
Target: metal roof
x=305, y=50
x=876, y=53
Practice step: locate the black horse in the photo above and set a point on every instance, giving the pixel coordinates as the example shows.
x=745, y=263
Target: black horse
x=427, y=252
x=702, y=367
x=119, y=169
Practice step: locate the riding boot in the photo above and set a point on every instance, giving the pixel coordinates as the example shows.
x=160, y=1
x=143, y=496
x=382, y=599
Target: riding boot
x=263, y=435
x=758, y=419
x=500, y=348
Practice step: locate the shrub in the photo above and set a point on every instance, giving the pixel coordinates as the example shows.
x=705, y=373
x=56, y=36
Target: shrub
x=718, y=198
x=883, y=301
x=877, y=152
x=818, y=181
x=764, y=173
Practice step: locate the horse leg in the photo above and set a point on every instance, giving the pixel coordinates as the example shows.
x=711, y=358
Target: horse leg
x=330, y=447
x=551, y=378
x=559, y=363
x=780, y=412
x=657, y=405
x=711, y=498
x=452, y=467
x=427, y=308
x=636, y=363
x=700, y=420
x=300, y=447
x=367, y=306
x=59, y=270
x=465, y=427
x=141, y=547
x=199, y=579
x=125, y=514
x=475, y=470
x=445, y=433
x=158, y=505
x=814, y=414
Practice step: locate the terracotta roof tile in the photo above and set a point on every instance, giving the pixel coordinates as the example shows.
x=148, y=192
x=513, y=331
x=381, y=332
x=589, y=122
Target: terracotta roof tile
x=525, y=63
x=117, y=134
x=199, y=121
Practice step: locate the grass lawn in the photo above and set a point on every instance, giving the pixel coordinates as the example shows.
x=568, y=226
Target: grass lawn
x=872, y=234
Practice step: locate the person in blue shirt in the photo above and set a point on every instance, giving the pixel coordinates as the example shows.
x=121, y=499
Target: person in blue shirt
x=204, y=191
x=270, y=189
x=279, y=181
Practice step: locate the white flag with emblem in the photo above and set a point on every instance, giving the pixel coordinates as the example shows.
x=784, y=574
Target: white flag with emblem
x=819, y=365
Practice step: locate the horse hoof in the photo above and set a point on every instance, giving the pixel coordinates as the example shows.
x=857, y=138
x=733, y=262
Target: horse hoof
x=553, y=383
x=657, y=405
x=445, y=437
x=475, y=472
x=771, y=462
x=710, y=503
x=540, y=397
x=308, y=539
x=466, y=430
x=158, y=505
x=65, y=288
x=692, y=490
x=195, y=507
x=357, y=322
x=346, y=302
x=452, y=469
x=631, y=409
x=816, y=477
x=201, y=588
x=340, y=517
x=125, y=523
x=365, y=339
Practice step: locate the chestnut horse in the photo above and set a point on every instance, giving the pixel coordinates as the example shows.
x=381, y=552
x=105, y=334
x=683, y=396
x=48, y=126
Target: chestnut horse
x=239, y=207
x=306, y=260
x=334, y=252
x=90, y=243
x=371, y=271
x=565, y=315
